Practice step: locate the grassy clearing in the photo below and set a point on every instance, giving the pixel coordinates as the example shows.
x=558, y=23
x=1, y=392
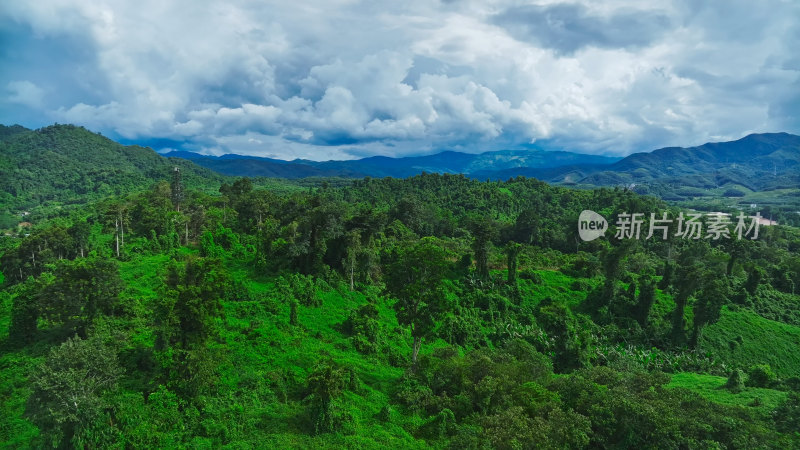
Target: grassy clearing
x=556, y=285
x=711, y=387
x=763, y=342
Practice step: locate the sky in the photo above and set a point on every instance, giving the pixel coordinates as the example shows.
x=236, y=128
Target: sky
x=341, y=79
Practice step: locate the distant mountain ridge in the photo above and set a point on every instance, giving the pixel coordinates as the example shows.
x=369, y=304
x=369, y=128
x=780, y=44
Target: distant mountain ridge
x=68, y=164
x=757, y=162
x=384, y=166
x=757, y=151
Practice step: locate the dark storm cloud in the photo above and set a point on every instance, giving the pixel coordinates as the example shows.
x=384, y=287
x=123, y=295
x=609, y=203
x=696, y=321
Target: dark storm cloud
x=566, y=28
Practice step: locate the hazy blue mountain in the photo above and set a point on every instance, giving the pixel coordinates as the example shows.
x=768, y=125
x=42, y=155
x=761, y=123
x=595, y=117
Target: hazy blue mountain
x=249, y=166
x=382, y=166
x=65, y=163
x=755, y=151
x=758, y=162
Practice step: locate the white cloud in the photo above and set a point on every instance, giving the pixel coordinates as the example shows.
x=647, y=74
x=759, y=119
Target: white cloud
x=25, y=93
x=342, y=79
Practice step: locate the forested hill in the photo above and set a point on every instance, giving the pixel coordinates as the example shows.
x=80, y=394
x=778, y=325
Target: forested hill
x=778, y=152
x=7, y=132
x=435, y=311
x=763, y=161
x=64, y=164
x=758, y=162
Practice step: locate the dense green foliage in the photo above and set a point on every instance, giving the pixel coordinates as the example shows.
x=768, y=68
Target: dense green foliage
x=435, y=311
x=64, y=164
x=758, y=169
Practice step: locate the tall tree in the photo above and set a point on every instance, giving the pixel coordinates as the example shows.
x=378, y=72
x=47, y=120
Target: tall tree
x=321, y=225
x=526, y=227
x=689, y=273
x=80, y=232
x=116, y=215
x=193, y=293
x=415, y=280
x=326, y=383
x=708, y=306
x=647, y=294
x=69, y=402
x=612, y=267
x=79, y=290
x=484, y=231
x=25, y=311
x=352, y=250
x=187, y=319
x=512, y=253
x=176, y=188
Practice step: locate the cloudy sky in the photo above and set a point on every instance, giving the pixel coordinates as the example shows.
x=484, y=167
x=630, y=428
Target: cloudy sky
x=340, y=79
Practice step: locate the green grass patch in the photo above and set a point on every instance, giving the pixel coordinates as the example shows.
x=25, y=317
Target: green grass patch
x=556, y=285
x=712, y=388
x=763, y=341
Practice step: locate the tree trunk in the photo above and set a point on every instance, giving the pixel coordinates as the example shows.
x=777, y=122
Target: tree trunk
x=482, y=263
x=512, y=253
x=415, y=350
x=186, y=225
x=678, y=321
x=697, y=333
x=352, y=270
x=116, y=235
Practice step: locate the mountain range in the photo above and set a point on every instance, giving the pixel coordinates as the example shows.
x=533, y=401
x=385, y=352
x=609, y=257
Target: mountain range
x=68, y=164
x=383, y=166
x=757, y=162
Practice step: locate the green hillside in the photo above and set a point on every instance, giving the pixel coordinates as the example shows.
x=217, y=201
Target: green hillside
x=434, y=311
x=745, y=339
x=430, y=312
x=64, y=164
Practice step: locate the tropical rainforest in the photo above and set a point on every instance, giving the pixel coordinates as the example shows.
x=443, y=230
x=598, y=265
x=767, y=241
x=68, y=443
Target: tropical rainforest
x=150, y=303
